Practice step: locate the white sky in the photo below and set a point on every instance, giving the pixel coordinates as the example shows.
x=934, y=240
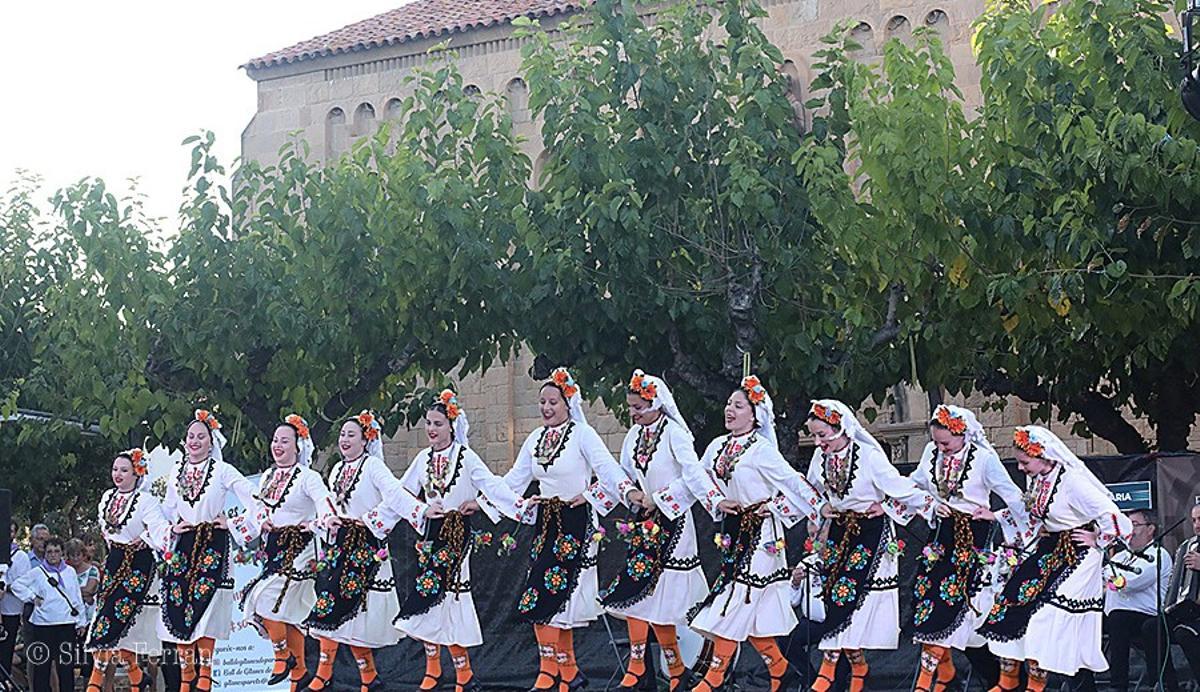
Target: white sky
x=110, y=89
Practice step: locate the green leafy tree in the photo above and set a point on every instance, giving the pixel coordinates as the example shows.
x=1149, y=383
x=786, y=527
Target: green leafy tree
x=671, y=231
x=1047, y=248
x=320, y=290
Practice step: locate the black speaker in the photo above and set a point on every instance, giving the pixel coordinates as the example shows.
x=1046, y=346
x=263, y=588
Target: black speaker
x=5, y=526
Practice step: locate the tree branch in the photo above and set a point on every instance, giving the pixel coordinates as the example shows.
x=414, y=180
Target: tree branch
x=368, y=381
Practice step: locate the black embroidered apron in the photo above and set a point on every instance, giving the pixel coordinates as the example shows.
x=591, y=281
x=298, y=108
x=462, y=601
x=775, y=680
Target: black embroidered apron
x=352, y=563
x=284, y=544
x=558, y=554
x=946, y=583
x=646, y=556
x=439, y=562
x=1031, y=585
x=128, y=574
x=199, y=565
x=851, y=557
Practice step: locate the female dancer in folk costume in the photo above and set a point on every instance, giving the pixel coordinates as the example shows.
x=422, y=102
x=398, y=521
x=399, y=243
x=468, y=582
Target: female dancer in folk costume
x=197, y=586
x=864, y=494
x=961, y=470
x=1049, y=611
x=439, y=609
x=127, y=605
x=292, y=502
x=662, y=576
x=760, y=494
x=561, y=586
x=356, y=594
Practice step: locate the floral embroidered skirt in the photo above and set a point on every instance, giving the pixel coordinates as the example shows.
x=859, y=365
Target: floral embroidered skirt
x=862, y=604
x=751, y=596
x=127, y=605
x=438, y=607
x=355, y=591
x=561, y=587
x=284, y=591
x=950, y=570
x=662, y=578
x=197, y=589
x=1051, y=608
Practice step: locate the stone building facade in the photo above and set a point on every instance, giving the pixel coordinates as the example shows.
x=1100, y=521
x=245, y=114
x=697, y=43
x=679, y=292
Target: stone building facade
x=336, y=88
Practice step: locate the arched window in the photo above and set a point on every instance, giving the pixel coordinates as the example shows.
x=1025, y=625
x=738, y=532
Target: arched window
x=335, y=134
x=938, y=20
x=391, y=110
x=900, y=28
x=864, y=36
x=364, y=120
x=471, y=91
x=517, y=95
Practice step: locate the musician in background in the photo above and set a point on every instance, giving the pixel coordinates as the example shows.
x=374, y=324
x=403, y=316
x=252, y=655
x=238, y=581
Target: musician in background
x=1183, y=611
x=1136, y=579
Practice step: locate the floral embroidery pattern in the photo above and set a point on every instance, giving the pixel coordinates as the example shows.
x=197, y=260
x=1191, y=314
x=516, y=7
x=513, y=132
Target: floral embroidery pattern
x=556, y=579
x=843, y=590
x=923, y=610
x=528, y=600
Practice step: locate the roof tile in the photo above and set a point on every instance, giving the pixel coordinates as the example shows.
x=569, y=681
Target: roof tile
x=415, y=20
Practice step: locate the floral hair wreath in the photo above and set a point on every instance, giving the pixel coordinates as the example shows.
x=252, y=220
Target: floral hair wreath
x=206, y=417
x=1027, y=444
x=370, y=425
x=450, y=400
x=562, y=379
x=137, y=459
x=944, y=417
x=755, y=392
x=826, y=414
x=639, y=385
x=299, y=424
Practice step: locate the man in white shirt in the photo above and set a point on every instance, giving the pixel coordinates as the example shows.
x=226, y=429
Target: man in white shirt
x=10, y=605
x=1137, y=577
x=52, y=586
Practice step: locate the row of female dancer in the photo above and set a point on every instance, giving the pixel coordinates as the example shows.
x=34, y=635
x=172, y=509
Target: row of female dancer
x=327, y=574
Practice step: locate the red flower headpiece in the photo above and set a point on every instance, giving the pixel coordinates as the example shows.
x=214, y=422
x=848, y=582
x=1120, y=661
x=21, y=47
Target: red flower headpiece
x=824, y=413
x=755, y=392
x=944, y=417
x=206, y=417
x=137, y=458
x=1026, y=443
x=644, y=388
x=370, y=425
x=562, y=379
x=299, y=424
x=450, y=400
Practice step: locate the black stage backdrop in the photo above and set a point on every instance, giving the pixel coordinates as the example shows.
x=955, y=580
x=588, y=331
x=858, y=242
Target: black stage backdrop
x=508, y=659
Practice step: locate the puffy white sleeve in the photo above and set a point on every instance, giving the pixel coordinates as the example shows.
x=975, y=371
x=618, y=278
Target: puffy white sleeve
x=495, y=497
x=170, y=502
x=157, y=531
x=411, y=480
x=520, y=475
x=922, y=476
x=627, y=447
x=795, y=498
x=612, y=485
x=814, y=472
x=316, y=491
x=397, y=503
x=1111, y=523
x=693, y=483
x=903, y=500
x=1013, y=518
x=244, y=527
x=713, y=495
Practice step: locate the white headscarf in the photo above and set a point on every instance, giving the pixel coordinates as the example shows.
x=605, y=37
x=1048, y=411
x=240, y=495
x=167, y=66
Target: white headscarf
x=367, y=420
x=764, y=408
x=458, y=421
x=562, y=379
x=304, y=443
x=974, y=433
x=847, y=423
x=1055, y=450
x=662, y=400
x=214, y=430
